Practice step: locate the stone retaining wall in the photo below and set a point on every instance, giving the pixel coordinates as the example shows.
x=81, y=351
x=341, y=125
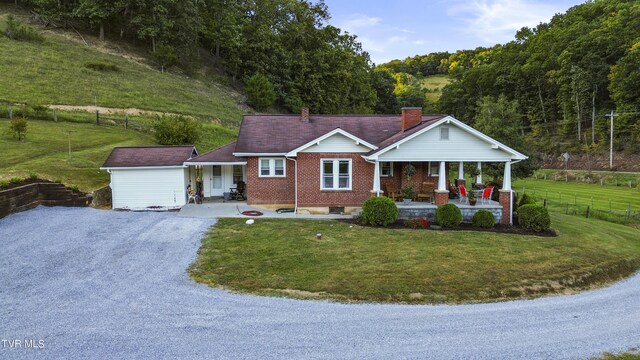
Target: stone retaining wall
x=28, y=196
x=429, y=212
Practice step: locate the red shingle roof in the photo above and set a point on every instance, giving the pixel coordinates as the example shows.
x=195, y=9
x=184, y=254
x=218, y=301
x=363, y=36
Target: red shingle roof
x=138, y=156
x=221, y=154
x=283, y=133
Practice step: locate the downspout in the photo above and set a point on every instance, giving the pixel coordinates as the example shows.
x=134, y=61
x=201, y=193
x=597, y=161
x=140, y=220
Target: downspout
x=511, y=196
x=295, y=183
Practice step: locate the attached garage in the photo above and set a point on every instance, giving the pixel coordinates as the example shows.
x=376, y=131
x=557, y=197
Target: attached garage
x=149, y=176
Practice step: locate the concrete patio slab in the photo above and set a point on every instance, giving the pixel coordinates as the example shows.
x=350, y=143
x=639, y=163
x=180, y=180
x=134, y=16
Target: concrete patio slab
x=234, y=209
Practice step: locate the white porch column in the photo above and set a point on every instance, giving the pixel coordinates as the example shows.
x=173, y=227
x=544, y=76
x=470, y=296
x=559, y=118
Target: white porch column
x=479, y=177
x=506, y=184
x=460, y=170
x=376, y=178
x=442, y=178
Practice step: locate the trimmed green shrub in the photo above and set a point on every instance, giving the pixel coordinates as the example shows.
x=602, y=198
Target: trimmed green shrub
x=448, y=215
x=534, y=217
x=484, y=219
x=526, y=199
x=379, y=211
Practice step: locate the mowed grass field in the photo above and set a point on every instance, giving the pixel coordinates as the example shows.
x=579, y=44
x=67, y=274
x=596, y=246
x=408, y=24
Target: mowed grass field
x=598, y=197
x=435, y=84
x=45, y=151
x=57, y=72
x=355, y=263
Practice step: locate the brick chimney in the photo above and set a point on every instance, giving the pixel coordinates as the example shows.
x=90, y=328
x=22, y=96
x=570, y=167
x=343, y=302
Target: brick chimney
x=411, y=116
x=304, y=117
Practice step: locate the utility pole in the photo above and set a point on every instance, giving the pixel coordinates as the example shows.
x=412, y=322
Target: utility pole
x=611, y=115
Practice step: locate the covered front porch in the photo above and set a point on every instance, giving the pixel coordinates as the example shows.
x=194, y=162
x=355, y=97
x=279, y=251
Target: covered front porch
x=435, y=183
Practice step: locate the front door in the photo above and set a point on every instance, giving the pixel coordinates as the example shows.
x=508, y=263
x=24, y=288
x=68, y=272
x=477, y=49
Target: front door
x=217, y=186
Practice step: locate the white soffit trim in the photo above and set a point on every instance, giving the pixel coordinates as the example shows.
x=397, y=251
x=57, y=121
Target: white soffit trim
x=143, y=167
x=192, y=163
x=259, y=154
x=356, y=139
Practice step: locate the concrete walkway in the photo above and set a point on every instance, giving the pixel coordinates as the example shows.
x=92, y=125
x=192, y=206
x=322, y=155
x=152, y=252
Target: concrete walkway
x=233, y=209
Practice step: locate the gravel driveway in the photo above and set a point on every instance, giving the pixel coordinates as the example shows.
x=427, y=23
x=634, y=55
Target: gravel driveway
x=103, y=284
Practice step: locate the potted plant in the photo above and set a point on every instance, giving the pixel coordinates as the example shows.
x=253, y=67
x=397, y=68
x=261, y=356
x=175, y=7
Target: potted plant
x=408, y=194
x=409, y=171
x=473, y=197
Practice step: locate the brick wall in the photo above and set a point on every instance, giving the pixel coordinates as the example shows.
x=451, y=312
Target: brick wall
x=505, y=201
x=264, y=191
x=269, y=190
x=309, y=193
x=422, y=175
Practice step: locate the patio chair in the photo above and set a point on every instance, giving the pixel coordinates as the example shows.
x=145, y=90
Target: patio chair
x=485, y=194
x=426, y=191
x=463, y=194
x=237, y=193
x=191, y=195
x=391, y=191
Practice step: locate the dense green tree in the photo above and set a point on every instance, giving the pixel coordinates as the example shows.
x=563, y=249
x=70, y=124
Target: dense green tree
x=18, y=125
x=180, y=130
x=260, y=91
x=384, y=84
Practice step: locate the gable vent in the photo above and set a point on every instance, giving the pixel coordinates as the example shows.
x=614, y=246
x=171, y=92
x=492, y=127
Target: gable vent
x=444, y=133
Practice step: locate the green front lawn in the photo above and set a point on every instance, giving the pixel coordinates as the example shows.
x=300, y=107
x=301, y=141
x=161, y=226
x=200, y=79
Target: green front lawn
x=354, y=263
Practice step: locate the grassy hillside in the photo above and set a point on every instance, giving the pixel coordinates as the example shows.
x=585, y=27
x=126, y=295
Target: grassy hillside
x=59, y=71
x=45, y=151
x=434, y=84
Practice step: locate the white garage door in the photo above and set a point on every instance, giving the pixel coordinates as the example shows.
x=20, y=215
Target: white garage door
x=141, y=188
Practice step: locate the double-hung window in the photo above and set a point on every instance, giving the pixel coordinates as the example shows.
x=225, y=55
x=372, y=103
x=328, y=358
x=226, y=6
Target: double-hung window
x=386, y=169
x=272, y=167
x=335, y=174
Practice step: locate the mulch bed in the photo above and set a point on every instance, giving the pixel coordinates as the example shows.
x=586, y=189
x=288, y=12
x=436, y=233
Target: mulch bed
x=499, y=229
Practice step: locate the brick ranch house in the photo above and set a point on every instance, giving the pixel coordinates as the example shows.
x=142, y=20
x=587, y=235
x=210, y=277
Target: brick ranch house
x=315, y=163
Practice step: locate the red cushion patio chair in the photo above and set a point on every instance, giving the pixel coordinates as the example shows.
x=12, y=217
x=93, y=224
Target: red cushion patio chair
x=463, y=194
x=485, y=195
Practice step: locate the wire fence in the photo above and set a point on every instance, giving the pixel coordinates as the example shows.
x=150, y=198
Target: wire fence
x=36, y=112
x=572, y=204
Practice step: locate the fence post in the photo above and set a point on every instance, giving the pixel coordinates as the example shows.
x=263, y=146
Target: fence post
x=55, y=115
x=588, y=211
x=97, y=117
x=10, y=112
x=545, y=202
x=126, y=121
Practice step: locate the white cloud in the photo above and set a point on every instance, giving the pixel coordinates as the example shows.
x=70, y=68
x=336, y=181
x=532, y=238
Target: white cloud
x=359, y=22
x=380, y=39
x=496, y=21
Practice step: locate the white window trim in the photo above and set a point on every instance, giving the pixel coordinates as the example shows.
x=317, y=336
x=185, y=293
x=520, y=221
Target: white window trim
x=437, y=167
x=272, y=167
x=390, y=168
x=448, y=133
x=336, y=174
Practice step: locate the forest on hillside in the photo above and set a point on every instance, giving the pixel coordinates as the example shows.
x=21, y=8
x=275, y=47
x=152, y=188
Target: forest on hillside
x=547, y=90
x=551, y=88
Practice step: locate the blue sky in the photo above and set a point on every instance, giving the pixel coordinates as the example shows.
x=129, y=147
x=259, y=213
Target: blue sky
x=398, y=29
